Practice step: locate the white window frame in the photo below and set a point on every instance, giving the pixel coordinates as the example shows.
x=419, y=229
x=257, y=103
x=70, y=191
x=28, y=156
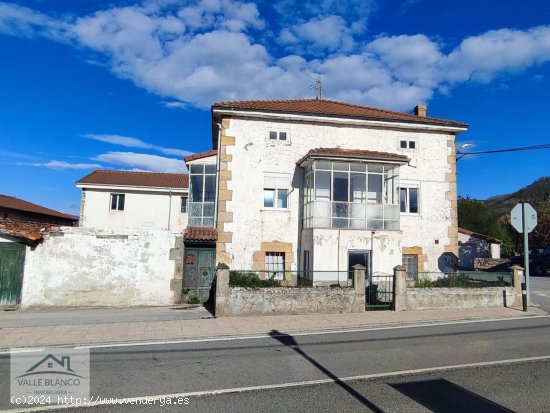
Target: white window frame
x=118, y=196
x=184, y=205
x=276, y=189
x=275, y=265
x=408, y=142
x=407, y=188
x=278, y=140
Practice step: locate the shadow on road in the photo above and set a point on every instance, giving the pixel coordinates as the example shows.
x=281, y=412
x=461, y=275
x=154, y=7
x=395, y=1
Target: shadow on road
x=289, y=341
x=442, y=396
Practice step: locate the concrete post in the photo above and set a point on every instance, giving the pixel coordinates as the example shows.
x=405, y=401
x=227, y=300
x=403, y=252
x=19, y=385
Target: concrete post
x=359, y=286
x=222, y=290
x=399, y=288
x=517, y=274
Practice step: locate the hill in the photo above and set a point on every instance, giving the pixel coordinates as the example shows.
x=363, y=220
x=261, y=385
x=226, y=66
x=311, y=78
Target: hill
x=538, y=194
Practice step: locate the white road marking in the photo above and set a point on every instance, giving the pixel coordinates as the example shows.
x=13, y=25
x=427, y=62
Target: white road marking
x=214, y=392
x=304, y=333
x=294, y=334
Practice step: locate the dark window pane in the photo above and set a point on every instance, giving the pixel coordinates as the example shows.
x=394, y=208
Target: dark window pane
x=413, y=201
x=196, y=188
x=282, y=136
x=273, y=135
x=323, y=165
x=183, y=204
x=403, y=144
x=209, y=188
x=196, y=169
x=113, y=201
x=269, y=196
x=412, y=144
x=121, y=202
x=340, y=187
x=209, y=169
x=375, y=188
x=282, y=195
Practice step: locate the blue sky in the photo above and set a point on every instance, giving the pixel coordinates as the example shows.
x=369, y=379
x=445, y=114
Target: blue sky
x=128, y=85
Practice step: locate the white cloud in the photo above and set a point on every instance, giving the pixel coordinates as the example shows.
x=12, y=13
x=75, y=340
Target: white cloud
x=207, y=52
x=66, y=165
x=329, y=33
x=131, y=142
x=142, y=161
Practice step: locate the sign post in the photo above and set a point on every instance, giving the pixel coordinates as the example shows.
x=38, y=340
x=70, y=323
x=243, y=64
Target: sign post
x=524, y=220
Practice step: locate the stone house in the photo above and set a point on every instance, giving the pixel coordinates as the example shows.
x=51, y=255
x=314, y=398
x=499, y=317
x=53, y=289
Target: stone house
x=130, y=200
x=315, y=186
x=472, y=245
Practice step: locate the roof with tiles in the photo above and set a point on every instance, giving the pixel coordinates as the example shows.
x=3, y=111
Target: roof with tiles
x=487, y=238
x=354, y=153
x=322, y=107
x=130, y=178
x=11, y=202
x=26, y=230
x=200, y=234
x=201, y=155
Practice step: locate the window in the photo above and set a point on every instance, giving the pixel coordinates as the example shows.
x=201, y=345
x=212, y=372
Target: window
x=407, y=144
x=408, y=200
x=202, y=195
x=276, y=192
x=275, y=265
x=278, y=136
x=117, y=202
x=410, y=262
x=351, y=195
x=184, y=201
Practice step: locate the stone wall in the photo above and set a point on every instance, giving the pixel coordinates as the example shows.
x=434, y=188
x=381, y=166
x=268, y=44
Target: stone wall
x=86, y=267
x=284, y=300
x=436, y=298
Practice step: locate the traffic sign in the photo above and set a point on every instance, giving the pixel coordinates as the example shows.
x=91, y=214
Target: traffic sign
x=530, y=217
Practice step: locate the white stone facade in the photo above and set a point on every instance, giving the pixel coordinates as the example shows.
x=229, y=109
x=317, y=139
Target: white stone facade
x=84, y=267
x=144, y=208
x=253, y=157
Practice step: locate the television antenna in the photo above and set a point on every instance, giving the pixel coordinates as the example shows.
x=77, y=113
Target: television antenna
x=317, y=85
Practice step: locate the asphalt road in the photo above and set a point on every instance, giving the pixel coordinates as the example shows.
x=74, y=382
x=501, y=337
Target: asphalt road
x=540, y=291
x=408, y=369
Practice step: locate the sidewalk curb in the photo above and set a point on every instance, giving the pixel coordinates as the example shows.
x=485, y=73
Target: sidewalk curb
x=299, y=331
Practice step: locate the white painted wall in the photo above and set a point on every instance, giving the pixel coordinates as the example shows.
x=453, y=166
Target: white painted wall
x=87, y=267
x=254, y=156
x=143, y=209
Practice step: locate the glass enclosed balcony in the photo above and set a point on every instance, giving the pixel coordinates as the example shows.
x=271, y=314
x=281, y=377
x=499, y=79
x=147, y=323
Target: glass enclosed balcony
x=351, y=195
x=202, y=195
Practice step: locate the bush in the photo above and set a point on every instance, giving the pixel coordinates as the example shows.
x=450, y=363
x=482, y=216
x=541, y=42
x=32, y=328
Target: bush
x=250, y=280
x=194, y=300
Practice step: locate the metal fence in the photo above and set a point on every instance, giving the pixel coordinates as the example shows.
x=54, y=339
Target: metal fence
x=379, y=291
x=464, y=279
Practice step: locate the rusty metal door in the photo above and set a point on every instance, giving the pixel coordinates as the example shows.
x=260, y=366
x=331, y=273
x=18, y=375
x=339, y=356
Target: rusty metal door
x=12, y=259
x=199, y=271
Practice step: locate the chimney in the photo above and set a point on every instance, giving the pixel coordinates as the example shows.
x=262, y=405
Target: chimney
x=420, y=110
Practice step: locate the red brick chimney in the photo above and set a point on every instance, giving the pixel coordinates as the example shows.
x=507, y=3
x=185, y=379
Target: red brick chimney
x=420, y=110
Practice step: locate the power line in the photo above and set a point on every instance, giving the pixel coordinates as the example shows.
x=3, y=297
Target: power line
x=522, y=148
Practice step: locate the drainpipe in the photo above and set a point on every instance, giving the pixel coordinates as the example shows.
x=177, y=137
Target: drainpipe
x=218, y=174
x=169, y=208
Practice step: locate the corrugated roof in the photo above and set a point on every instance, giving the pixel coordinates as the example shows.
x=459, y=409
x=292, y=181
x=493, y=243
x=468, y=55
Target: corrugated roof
x=355, y=153
x=324, y=107
x=26, y=230
x=129, y=178
x=200, y=234
x=11, y=202
x=201, y=155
